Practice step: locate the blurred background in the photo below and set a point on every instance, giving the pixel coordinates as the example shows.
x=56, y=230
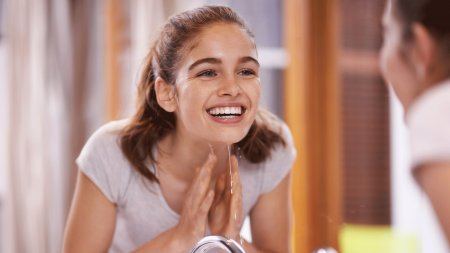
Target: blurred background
x=69, y=66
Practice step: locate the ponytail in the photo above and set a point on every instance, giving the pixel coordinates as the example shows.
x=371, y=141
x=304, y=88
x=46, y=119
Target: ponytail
x=149, y=124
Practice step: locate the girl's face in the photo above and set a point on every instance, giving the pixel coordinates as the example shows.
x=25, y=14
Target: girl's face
x=395, y=60
x=218, y=86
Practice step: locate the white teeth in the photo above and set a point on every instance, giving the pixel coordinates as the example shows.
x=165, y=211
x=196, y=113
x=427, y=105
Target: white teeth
x=225, y=110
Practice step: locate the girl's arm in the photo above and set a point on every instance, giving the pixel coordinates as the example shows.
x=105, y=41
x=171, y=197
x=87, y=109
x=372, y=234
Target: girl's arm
x=270, y=221
x=91, y=222
x=435, y=182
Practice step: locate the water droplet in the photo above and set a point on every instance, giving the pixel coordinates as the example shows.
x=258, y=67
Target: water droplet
x=231, y=175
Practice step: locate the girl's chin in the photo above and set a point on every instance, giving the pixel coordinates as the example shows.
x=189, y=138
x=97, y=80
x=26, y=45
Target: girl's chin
x=226, y=138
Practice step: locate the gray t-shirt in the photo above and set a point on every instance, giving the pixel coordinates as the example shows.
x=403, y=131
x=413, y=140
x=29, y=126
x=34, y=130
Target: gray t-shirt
x=142, y=211
x=429, y=126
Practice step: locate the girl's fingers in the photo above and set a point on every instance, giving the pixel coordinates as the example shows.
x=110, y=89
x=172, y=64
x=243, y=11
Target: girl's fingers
x=206, y=204
x=219, y=191
x=219, y=188
x=200, y=197
x=200, y=185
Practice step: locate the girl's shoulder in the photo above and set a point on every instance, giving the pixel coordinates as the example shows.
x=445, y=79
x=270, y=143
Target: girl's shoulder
x=428, y=121
x=102, y=161
x=110, y=129
x=107, y=136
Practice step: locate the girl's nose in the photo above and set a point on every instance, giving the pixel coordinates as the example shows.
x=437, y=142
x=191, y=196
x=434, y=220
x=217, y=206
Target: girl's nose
x=229, y=87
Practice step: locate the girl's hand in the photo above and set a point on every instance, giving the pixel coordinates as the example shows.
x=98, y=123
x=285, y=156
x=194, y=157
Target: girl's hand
x=225, y=215
x=199, y=197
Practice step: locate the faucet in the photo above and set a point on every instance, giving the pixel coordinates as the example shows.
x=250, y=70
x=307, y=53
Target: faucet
x=231, y=246
x=325, y=250
x=217, y=242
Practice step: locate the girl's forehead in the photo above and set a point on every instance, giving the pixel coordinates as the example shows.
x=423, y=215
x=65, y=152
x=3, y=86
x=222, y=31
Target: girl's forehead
x=217, y=29
x=216, y=40
x=222, y=32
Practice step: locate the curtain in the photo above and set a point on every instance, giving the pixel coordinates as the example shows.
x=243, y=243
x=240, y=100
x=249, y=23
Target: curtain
x=38, y=43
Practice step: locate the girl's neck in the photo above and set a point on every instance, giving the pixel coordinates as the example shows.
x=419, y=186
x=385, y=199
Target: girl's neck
x=182, y=156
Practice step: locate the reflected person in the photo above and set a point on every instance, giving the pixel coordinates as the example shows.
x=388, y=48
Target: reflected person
x=415, y=60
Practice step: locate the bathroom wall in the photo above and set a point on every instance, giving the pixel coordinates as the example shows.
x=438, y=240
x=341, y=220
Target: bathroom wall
x=3, y=129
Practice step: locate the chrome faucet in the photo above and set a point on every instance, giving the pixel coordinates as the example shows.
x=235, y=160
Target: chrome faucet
x=325, y=250
x=231, y=246
x=217, y=242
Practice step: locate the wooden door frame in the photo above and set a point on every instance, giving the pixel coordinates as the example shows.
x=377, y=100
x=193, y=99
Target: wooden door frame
x=313, y=110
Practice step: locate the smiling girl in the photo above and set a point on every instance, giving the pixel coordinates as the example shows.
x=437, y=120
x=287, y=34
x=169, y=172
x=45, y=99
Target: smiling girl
x=163, y=179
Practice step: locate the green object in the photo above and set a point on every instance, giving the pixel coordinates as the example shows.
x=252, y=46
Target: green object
x=376, y=239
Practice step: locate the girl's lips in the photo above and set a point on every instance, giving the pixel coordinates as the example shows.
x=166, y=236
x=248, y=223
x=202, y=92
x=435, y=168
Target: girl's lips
x=227, y=119
x=224, y=105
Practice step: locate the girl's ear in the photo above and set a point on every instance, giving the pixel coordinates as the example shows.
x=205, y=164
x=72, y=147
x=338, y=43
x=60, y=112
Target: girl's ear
x=424, y=51
x=165, y=95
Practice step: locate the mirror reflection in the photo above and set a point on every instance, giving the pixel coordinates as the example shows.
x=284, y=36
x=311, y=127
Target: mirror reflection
x=349, y=151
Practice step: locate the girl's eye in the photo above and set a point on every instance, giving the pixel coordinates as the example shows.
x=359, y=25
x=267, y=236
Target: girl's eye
x=247, y=72
x=207, y=73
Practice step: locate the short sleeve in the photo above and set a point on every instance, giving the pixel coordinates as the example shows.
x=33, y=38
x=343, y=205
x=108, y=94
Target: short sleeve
x=102, y=161
x=429, y=124
x=280, y=162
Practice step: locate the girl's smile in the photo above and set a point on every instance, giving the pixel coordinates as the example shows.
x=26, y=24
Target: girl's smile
x=227, y=113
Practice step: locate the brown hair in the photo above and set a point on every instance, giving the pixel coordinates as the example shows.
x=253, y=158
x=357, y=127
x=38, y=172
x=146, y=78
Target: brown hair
x=433, y=14
x=151, y=123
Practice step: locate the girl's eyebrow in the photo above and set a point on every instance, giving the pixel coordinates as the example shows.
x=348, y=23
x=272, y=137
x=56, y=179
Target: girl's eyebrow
x=247, y=59
x=204, y=60
x=218, y=61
